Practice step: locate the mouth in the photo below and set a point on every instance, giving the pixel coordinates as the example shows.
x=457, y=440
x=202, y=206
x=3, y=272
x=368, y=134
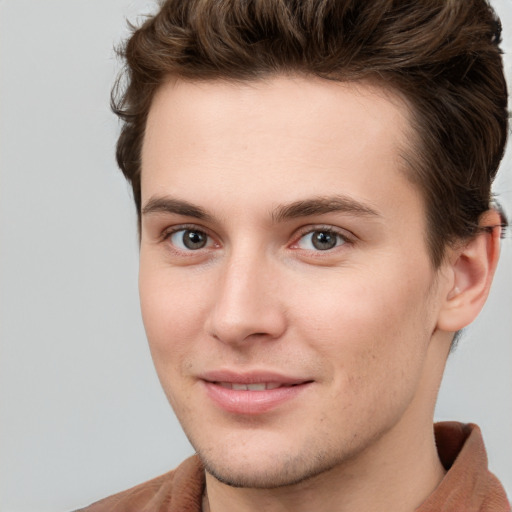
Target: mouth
x=252, y=393
x=255, y=386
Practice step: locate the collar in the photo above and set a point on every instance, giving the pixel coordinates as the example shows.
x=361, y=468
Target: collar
x=468, y=485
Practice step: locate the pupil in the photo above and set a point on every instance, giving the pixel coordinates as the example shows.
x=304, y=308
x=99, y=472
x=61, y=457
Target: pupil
x=194, y=239
x=323, y=240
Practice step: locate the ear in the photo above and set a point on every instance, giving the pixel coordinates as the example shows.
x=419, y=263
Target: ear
x=472, y=268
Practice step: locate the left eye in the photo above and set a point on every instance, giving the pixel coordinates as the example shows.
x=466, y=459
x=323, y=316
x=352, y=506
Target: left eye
x=320, y=240
x=189, y=239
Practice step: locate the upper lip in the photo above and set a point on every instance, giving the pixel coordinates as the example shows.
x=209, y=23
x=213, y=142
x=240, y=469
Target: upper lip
x=251, y=377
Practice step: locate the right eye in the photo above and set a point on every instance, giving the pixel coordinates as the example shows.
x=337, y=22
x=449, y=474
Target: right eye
x=190, y=239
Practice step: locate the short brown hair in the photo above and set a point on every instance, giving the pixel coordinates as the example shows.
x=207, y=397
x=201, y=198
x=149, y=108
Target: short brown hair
x=443, y=56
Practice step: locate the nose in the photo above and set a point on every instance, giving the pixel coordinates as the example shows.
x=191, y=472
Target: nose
x=247, y=303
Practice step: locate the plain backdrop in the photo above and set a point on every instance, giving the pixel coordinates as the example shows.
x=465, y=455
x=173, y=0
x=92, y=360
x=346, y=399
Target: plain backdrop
x=82, y=412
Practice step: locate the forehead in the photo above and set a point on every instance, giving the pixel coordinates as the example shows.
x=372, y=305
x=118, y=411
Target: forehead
x=276, y=140
x=199, y=113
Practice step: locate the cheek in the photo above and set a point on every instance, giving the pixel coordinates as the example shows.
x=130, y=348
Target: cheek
x=170, y=316
x=373, y=328
x=171, y=313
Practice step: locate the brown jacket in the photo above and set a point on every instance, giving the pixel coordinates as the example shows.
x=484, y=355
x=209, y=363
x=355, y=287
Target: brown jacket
x=468, y=486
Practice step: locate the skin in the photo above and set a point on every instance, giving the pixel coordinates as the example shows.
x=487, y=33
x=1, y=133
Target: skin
x=367, y=323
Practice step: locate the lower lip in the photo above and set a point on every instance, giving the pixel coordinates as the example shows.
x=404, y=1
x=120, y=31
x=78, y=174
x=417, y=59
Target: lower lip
x=252, y=402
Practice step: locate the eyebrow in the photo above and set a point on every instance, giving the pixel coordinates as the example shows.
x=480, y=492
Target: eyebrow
x=297, y=209
x=322, y=205
x=175, y=206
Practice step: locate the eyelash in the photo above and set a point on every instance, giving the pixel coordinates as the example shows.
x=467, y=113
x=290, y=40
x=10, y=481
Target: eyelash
x=341, y=235
x=167, y=234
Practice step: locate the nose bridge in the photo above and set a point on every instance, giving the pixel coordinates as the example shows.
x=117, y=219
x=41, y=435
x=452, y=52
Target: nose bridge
x=246, y=302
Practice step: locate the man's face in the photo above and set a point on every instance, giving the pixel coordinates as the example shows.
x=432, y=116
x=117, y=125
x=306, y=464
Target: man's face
x=286, y=287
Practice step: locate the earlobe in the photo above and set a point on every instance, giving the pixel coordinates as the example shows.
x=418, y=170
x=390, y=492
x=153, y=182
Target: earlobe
x=472, y=267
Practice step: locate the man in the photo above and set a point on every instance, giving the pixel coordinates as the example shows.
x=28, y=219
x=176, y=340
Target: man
x=313, y=186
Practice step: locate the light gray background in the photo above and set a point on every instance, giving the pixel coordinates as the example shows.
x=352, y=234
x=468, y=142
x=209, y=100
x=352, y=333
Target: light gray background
x=82, y=413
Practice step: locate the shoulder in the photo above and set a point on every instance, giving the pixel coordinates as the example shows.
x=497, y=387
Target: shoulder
x=180, y=489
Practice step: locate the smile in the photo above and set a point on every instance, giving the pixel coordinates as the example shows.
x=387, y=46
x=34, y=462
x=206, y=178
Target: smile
x=253, y=393
x=259, y=386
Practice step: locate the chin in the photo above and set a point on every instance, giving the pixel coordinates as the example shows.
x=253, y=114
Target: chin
x=274, y=471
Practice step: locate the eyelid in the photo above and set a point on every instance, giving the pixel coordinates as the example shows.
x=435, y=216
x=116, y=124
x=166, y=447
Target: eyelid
x=345, y=235
x=171, y=230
